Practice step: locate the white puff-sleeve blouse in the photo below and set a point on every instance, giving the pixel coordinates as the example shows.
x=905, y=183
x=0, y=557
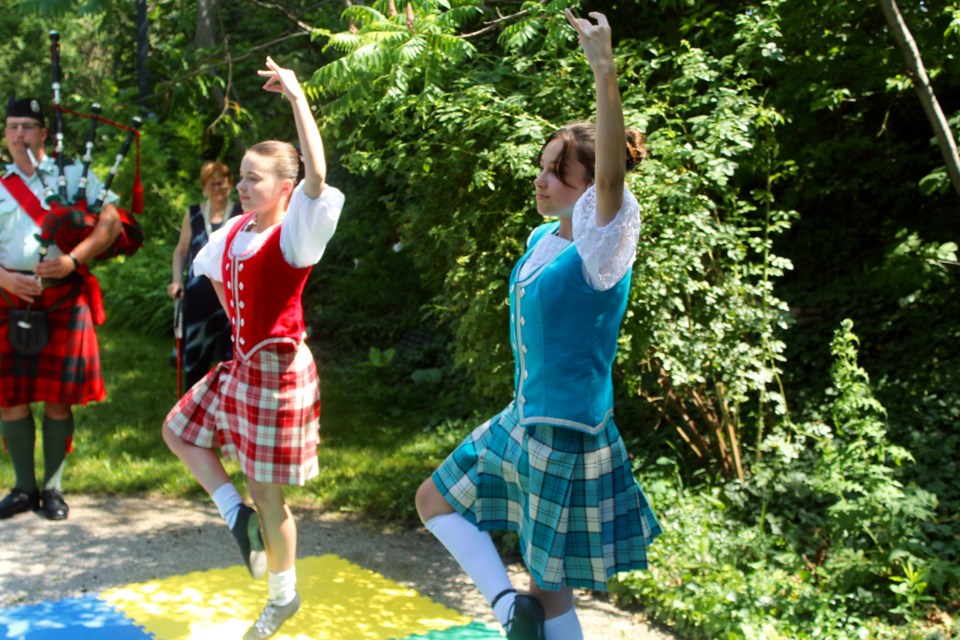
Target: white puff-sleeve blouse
x=305, y=231
x=607, y=252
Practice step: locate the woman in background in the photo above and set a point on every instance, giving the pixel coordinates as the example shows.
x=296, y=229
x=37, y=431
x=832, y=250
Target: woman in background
x=206, y=331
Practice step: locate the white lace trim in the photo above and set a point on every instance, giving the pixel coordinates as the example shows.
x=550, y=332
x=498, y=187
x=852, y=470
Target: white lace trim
x=607, y=252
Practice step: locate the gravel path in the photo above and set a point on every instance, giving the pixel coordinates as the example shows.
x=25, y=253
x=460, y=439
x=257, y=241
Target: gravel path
x=110, y=542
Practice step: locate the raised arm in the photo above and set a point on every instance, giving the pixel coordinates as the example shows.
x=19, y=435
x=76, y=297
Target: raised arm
x=611, y=138
x=284, y=81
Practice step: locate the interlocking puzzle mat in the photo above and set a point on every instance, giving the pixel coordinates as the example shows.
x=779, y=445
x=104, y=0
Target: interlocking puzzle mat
x=341, y=601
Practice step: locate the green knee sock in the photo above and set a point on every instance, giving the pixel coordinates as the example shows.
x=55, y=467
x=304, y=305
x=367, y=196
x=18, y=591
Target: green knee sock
x=21, y=438
x=56, y=442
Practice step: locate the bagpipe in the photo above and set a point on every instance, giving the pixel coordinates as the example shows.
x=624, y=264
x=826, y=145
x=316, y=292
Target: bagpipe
x=70, y=220
x=66, y=221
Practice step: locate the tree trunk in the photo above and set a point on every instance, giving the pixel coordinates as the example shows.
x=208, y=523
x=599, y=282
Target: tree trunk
x=143, y=81
x=917, y=73
x=206, y=10
x=205, y=37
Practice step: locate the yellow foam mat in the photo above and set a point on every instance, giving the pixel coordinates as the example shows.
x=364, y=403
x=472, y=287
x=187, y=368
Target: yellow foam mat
x=340, y=601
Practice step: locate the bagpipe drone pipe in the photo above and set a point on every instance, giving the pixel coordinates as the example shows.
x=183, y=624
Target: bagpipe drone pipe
x=70, y=220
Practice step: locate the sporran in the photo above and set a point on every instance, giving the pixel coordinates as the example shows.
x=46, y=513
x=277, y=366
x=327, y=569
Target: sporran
x=28, y=331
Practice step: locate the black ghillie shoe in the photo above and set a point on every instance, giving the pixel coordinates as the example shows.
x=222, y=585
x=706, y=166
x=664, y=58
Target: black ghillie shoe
x=271, y=619
x=53, y=506
x=246, y=531
x=526, y=619
x=19, y=501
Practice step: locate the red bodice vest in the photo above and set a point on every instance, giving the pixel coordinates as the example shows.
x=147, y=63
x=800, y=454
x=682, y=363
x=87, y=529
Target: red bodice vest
x=263, y=294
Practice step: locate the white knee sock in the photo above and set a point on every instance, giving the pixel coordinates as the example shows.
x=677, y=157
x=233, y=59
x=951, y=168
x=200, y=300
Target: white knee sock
x=282, y=587
x=228, y=502
x=564, y=627
x=474, y=552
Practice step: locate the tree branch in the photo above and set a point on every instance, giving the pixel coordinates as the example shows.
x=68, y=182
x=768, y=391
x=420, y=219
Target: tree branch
x=490, y=24
x=203, y=67
x=915, y=69
x=289, y=15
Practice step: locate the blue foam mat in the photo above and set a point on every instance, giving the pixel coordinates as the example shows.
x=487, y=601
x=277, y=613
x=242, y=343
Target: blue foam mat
x=84, y=618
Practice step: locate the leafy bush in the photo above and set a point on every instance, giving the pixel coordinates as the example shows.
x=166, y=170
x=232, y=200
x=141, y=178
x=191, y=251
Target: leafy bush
x=412, y=109
x=135, y=289
x=714, y=576
x=830, y=489
x=822, y=541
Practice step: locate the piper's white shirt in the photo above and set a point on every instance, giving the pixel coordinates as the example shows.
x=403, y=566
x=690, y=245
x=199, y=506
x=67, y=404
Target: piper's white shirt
x=19, y=247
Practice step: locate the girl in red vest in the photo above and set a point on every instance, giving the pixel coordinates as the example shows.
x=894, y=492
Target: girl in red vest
x=263, y=407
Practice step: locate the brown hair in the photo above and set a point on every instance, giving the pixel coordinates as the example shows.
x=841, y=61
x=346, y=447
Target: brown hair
x=285, y=159
x=213, y=170
x=582, y=137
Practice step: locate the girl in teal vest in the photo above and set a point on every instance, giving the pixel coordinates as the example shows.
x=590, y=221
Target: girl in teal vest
x=552, y=465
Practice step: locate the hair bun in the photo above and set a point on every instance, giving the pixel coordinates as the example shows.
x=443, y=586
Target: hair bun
x=636, y=148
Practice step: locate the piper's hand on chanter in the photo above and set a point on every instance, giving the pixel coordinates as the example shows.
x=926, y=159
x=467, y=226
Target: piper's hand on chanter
x=281, y=80
x=595, y=39
x=59, y=267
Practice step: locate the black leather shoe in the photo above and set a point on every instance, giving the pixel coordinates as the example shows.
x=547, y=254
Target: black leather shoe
x=246, y=531
x=526, y=619
x=19, y=501
x=53, y=506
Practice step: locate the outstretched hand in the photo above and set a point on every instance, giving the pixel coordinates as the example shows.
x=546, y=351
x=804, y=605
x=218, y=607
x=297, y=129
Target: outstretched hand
x=594, y=38
x=281, y=80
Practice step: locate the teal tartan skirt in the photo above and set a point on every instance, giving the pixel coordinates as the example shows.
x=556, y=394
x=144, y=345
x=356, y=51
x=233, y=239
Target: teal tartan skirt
x=580, y=514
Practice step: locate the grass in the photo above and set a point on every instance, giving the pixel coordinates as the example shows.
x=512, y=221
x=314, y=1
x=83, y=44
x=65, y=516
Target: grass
x=371, y=461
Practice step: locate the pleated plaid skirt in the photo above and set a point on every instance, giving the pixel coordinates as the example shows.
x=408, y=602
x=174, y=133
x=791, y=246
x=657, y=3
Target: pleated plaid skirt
x=67, y=370
x=571, y=497
x=264, y=412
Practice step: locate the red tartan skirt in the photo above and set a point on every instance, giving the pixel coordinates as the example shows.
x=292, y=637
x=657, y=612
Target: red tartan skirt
x=67, y=371
x=264, y=412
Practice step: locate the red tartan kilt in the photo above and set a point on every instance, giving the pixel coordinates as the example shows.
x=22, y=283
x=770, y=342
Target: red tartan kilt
x=264, y=412
x=67, y=371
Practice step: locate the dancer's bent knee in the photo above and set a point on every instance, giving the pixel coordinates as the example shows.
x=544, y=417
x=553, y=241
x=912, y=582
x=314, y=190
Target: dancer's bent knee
x=430, y=502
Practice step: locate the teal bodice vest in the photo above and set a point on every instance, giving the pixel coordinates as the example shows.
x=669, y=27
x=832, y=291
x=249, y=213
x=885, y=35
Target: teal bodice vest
x=564, y=338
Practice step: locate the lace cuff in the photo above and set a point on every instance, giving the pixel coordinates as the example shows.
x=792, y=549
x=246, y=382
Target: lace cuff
x=607, y=252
